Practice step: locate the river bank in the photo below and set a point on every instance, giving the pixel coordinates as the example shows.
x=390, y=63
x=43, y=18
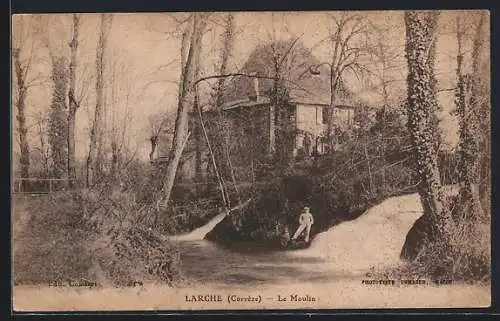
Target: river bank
x=338, y=270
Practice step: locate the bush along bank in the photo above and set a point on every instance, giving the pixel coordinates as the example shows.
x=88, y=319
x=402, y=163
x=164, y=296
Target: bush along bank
x=371, y=164
x=271, y=217
x=98, y=235
x=463, y=257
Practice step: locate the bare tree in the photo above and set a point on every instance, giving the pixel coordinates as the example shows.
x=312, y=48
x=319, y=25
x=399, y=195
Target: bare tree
x=95, y=148
x=422, y=106
x=160, y=126
x=121, y=95
x=220, y=135
x=387, y=60
x=347, y=41
x=41, y=122
x=227, y=39
x=198, y=139
x=22, y=54
x=185, y=96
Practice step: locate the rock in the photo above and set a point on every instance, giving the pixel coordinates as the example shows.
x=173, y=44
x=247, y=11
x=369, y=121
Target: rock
x=418, y=235
x=297, y=244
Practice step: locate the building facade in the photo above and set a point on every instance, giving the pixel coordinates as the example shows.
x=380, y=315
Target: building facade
x=248, y=130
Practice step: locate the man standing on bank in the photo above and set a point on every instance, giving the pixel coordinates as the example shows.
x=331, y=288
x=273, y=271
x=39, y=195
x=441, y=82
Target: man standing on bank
x=306, y=220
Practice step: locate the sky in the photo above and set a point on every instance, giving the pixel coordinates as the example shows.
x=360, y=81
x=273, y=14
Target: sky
x=145, y=48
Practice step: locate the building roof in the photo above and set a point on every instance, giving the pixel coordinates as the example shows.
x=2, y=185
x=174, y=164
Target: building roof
x=300, y=84
x=230, y=105
x=245, y=103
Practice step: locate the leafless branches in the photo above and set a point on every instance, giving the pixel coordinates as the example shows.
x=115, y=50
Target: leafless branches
x=96, y=135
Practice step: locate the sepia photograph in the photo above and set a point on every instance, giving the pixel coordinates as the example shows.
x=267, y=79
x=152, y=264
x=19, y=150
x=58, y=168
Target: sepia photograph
x=250, y=160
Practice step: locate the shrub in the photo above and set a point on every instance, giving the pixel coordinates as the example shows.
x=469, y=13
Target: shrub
x=97, y=234
x=465, y=257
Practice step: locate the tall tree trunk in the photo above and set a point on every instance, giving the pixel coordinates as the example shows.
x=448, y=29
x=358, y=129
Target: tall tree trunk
x=330, y=117
x=58, y=124
x=226, y=51
x=221, y=141
x=385, y=97
x=468, y=130
x=21, y=118
x=478, y=146
x=423, y=128
x=114, y=160
x=198, y=148
x=73, y=104
x=43, y=149
x=198, y=139
x=93, y=159
x=185, y=97
x=117, y=136
x=186, y=35
x=158, y=173
x=482, y=91
x=274, y=105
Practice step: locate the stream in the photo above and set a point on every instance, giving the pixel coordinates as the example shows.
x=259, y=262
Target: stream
x=345, y=251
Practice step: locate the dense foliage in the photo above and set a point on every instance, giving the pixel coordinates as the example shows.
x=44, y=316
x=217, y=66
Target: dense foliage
x=371, y=164
x=96, y=234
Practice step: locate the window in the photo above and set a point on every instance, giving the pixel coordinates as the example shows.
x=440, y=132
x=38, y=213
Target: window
x=325, y=114
x=321, y=115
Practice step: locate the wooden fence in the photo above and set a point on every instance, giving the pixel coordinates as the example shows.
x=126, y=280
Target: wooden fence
x=39, y=185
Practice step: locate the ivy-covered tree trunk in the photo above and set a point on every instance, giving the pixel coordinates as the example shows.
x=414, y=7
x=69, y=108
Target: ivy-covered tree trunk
x=58, y=119
x=477, y=149
x=436, y=223
x=22, y=90
x=482, y=90
x=467, y=107
x=330, y=113
x=73, y=104
x=280, y=126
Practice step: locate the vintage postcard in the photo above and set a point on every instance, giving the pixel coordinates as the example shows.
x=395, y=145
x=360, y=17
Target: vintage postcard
x=251, y=160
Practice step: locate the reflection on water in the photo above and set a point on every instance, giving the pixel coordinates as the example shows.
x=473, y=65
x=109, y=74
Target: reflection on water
x=206, y=262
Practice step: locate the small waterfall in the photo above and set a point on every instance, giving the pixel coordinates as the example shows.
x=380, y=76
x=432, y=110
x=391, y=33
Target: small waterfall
x=374, y=239
x=199, y=233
